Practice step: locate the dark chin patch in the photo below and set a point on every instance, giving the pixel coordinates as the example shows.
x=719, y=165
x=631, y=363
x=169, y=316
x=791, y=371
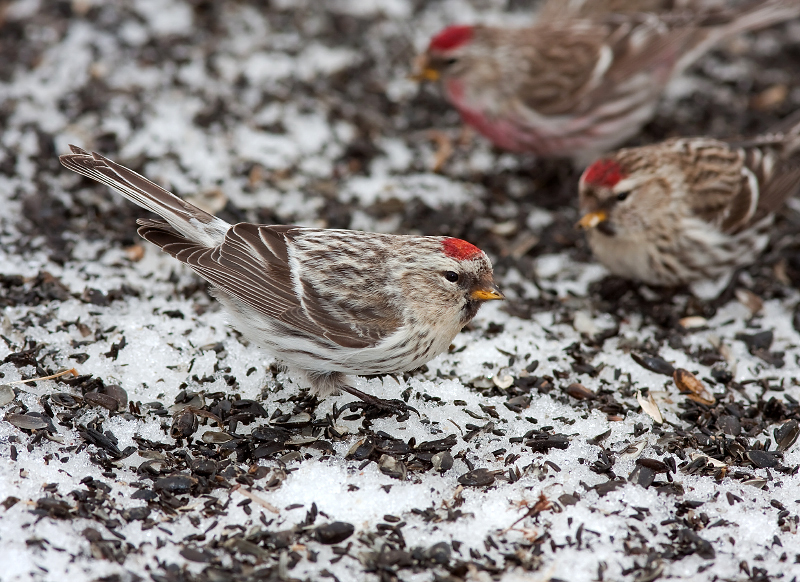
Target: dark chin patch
x=606, y=228
x=469, y=310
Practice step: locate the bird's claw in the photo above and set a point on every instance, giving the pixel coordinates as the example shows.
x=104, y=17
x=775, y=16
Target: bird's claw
x=374, y=406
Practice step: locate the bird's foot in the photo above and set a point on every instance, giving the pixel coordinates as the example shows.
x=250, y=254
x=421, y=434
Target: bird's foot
x=375, y=407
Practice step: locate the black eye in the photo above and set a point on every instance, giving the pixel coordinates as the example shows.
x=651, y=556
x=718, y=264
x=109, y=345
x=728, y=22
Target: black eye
x=450, y=61
x=451, y=276
x=623, y=195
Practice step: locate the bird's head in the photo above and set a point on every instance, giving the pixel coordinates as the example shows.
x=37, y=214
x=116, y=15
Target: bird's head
x=458, y=279
x=616, y=197
x=445, y=52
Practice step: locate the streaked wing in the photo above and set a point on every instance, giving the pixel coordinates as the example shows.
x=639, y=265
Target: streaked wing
x=559, y=64
x=647, y=48
x=779, y=177
x=563, y=9
x=774, y=158
x=734, y=185
x=252, y=265
x=573, y=67
x=722, y=190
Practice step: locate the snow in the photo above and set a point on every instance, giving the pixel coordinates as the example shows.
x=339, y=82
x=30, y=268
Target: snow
x=266, y=108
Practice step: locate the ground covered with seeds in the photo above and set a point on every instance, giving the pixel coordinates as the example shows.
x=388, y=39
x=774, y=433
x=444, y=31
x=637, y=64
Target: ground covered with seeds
x=586, y=429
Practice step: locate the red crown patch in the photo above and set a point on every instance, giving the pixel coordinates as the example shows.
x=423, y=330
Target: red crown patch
x=458, y=249
x=603, y=173
x=451, y=37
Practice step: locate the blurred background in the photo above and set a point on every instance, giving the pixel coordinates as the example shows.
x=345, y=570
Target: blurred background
x=303, y=112
x=300, y=111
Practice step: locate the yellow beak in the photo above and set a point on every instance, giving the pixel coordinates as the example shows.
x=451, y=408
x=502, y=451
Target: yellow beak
x=428, y=75
x=489, y=294
x=423, y=72
x=592, y=219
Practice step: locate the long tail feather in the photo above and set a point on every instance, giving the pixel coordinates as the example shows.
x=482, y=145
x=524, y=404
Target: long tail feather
x=753, y=16
x=192, y=222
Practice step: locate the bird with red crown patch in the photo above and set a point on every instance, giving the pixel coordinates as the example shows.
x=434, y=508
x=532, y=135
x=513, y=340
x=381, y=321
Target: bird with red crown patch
x=326, y=302
x=578, y=86
x=688, y=209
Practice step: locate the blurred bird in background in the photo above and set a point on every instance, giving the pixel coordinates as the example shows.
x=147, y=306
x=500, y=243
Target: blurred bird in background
x=688, y=209
x=577, y=87
x=560, y=9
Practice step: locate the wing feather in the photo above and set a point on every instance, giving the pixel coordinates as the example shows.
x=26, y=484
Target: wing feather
x=736, y=186
x=252, y=265
x=779, y=177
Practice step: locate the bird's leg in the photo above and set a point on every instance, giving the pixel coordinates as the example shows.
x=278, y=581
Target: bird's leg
x=393, y=406
x=331, y=383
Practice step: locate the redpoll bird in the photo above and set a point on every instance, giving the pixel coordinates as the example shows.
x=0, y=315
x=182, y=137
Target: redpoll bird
x=576, y=88
x=326, y=302
x=560, y=9
x=687, y=209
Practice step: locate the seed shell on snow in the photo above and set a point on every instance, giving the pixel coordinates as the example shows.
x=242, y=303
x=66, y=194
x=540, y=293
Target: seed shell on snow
x=179, y=452
x=786, y=434
x=650, y=407
x=27, y=421
x=687, y=382
x=7, y=394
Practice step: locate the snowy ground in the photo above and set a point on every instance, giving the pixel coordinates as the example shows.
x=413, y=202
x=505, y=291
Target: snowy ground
x=301, y=112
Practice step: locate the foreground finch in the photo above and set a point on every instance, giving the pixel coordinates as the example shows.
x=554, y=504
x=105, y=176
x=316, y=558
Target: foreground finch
x=577, y=87
x=326, y=302
x=688, y=209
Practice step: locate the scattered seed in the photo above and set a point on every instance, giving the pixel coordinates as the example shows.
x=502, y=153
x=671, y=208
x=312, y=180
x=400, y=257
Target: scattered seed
x=786, y=434
x=750, y=300
x=642, y=476
x=215, y=437
x=195, y=555
x=518, y=403
x=27, y=421
x=569, y=499
x=392, y=467
x=762, y=459
x=177, y=484
x=6, y=394
x=184, y=425
x=757, y=341
x=649, y=407
x=439, y=553
x=102, y=400
x=295, y=420
x=477, y=478
x=633, y=450
x=118, y=394
x=580, y=392
x=504, y=381
x=204, y=467
x=687, y=382
x=9, y=502
x=729, y=425
x=654, y=364
x=335, y=532
x=693, y=322
x=66, y=400
x=442, y=462
x=543, y=442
